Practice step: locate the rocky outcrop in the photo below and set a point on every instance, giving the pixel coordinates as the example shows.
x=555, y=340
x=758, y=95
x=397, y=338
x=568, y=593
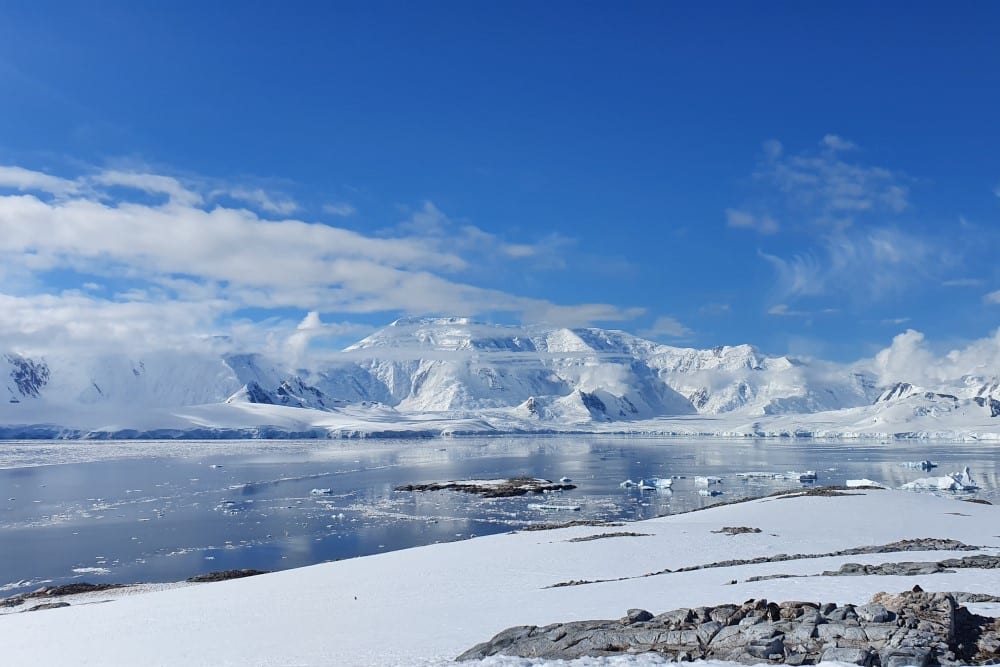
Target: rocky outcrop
x=912, y=628
x=493, y=488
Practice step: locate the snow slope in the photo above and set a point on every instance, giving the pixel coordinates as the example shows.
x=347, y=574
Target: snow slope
x=426, y=605
x=434, y=376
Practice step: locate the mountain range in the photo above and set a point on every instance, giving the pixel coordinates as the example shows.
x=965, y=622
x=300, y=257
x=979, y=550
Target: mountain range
x=439, y=376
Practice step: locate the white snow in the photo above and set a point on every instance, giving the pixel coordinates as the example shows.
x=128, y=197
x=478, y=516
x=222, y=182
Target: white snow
x=424, y=606
x=448, y=376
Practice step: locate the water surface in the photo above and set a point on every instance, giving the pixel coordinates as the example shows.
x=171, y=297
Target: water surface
x=164, y=511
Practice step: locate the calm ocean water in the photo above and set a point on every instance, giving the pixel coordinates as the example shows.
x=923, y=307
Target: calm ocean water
x=148, y=511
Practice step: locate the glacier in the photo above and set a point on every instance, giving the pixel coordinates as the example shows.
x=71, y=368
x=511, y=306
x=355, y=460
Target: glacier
x=430, y=377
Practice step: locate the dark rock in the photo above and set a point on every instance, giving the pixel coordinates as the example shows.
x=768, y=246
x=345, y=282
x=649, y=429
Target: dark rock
x=515, y=486
x=224, y=575
x=902, y=656
x=636, y=616
x=47, y=605
x=909, y=628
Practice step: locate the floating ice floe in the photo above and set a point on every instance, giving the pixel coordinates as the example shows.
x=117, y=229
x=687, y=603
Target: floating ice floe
x=650, y=484
x=321, y=492
x=758, y=475
x=860, y=483
x=711, y=493
x=553, y=508
x=565, y=480
x=956, y=481
x=926, y=464
x=706, y=480
x=807, y=476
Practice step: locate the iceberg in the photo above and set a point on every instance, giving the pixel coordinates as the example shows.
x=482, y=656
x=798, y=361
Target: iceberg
x=707, y=479
x=956, y=481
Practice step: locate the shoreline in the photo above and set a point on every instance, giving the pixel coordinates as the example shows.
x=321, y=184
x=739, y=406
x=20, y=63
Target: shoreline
x=434, y=602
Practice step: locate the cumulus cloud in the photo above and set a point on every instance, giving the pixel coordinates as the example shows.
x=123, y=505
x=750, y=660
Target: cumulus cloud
x=179, y=263
x=911, y=359
x=992, y=297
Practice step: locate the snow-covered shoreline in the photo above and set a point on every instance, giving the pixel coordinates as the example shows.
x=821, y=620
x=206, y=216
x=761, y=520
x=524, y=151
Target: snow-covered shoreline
x=428, y=604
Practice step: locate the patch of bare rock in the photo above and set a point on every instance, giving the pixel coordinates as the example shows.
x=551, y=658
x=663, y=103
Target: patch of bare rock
x=911, y=628
x=507, y=488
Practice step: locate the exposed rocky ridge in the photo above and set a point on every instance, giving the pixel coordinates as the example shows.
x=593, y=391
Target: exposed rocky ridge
x=912, y=628
x=922, y=544
x=507, y=488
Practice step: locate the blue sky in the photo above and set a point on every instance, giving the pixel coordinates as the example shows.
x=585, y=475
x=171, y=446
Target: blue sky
x=812, y=178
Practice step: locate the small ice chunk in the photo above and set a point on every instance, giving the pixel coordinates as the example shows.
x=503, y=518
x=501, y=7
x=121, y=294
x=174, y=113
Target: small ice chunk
x=553, y=508
x=565, y=480
x=711, y=493
x=707, y=479
x=926, y=464
x=627, y=484
x=321, y=492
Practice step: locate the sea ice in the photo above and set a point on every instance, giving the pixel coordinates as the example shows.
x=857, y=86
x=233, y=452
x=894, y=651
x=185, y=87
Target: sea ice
x=706, y=480
x=956, y=481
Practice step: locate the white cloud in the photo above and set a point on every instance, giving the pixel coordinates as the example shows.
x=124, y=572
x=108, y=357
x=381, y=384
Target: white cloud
x=822, y=189
x=666, y=326
x=911, y=359
x=150, y=183
x=992, y=297
x=763, y=224
x=263, y=200
x=183, y=267
x=27, y=180
x=715, y=309
x=340, y=209
x=782, y=310
x=837, y=143
x=962, y=282
x=867, y=266
x=895, y=320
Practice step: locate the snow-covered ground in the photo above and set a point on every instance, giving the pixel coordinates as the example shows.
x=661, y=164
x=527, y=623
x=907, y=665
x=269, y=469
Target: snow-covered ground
x=443, y=376
x=424, y=606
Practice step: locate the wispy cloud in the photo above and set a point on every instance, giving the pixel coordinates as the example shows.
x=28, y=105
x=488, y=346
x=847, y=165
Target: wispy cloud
x=763, y=224
x=826, y=188
x=265, y=201
x=962, y=282
x=340, y=209
x=24, y=180
x=666, y=327
x=866, y=266
x=992, y=297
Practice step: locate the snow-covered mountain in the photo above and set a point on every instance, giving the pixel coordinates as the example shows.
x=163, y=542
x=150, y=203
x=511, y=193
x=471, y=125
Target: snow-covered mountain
x=464, y=376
